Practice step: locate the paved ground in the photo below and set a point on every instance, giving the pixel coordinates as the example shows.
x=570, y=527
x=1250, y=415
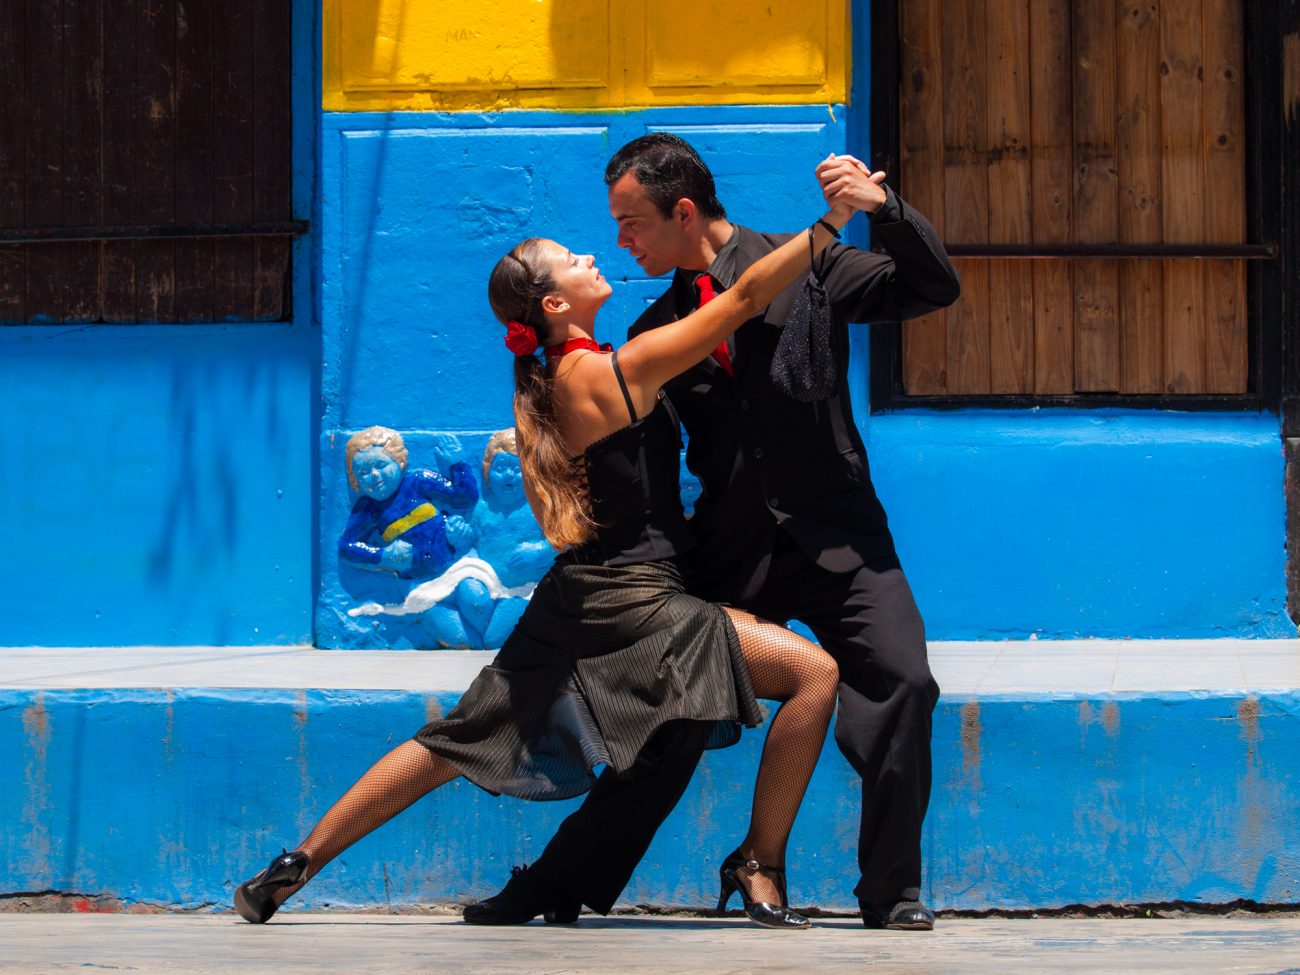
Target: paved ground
x=405, y=945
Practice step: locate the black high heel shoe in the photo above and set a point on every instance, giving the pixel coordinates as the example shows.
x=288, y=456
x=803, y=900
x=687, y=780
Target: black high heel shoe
x=253, y=898
x=760, y=912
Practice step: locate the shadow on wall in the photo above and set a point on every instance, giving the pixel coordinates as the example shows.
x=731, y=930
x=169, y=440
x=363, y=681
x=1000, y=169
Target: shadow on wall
x=206, y=476
x=206, y=520
x=365, y=20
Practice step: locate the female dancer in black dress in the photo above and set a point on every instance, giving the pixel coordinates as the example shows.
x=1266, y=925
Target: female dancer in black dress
x=611, y=649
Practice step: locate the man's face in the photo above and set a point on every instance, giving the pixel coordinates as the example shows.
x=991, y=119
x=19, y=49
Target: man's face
x=657, y=243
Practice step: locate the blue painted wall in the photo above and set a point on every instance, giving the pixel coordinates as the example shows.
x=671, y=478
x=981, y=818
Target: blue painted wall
x=159, y=797
x=417, y=208
x=1087, y=523
x=186, y=489
x=157, y=482
x=1046, y=802
x=156, y=487
x=1054, y=523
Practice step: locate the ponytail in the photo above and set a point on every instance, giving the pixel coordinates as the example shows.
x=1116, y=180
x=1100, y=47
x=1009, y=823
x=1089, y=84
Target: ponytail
x=550, y=477
x=516, y=288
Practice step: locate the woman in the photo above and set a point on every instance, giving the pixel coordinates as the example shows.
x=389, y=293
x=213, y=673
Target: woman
x=611, y=649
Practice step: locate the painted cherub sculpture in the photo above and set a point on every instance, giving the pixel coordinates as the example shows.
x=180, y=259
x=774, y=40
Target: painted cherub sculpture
x=408, y=522
x=508, y=538
x=479, y=598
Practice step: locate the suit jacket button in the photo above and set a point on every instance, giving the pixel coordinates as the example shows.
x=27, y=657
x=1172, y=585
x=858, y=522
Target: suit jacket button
x=774, y=501
x=744, y=404
x=758, y=453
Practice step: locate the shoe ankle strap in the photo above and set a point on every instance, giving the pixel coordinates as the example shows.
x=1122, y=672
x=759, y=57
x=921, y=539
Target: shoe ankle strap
x=755, y=865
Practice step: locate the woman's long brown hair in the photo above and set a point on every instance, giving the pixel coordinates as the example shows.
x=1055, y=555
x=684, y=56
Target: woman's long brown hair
x=516, y=288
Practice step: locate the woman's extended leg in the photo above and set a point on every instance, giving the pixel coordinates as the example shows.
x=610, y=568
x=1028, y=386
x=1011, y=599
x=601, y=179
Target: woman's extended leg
x=784, y=667
x=407, y=773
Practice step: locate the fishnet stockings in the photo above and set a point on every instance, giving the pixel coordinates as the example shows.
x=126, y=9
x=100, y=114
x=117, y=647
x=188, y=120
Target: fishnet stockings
x=784, y=667
x=407, y=773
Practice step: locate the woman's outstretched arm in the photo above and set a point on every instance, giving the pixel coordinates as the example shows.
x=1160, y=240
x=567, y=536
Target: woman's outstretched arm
x=652, y=358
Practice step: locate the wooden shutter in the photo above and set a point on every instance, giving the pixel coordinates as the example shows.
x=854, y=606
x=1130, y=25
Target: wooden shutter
x=148, y=143
x=1067, y=127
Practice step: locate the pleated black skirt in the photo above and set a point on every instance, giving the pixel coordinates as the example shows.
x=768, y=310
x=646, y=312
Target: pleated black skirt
x=602, y=659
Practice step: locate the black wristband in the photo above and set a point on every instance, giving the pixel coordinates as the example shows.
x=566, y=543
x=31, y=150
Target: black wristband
x=829, y=229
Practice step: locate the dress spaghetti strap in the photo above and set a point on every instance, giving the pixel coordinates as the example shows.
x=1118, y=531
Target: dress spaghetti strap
x=622, y=384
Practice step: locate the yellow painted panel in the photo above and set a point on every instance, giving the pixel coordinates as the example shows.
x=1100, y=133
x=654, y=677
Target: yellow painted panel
x=400, y=45
x=778, y=43
x=387, y=55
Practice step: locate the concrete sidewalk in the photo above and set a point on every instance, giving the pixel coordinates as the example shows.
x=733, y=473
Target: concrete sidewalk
x=377, y=944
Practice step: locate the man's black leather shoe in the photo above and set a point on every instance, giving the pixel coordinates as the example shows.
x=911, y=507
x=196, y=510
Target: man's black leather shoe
x=899, y=916
x=522, y=899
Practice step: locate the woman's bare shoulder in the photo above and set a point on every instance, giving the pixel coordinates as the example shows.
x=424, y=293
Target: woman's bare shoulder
x=588, y=400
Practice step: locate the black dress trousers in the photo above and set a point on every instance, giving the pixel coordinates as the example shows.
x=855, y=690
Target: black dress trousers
x=868, y=621
x=592, y=856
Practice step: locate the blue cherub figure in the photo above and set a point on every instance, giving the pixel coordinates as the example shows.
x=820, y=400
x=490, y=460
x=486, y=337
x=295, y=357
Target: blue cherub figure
x=508, y=535
x=508, y=538
x=410, y=523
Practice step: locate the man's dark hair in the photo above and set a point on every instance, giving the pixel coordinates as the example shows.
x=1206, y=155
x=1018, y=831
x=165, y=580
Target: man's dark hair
x=669, y=169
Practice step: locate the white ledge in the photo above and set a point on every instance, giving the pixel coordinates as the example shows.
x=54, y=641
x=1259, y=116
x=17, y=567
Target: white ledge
x=986, y=669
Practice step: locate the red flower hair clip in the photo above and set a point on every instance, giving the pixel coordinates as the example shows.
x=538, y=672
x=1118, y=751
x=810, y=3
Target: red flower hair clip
x=520, y=338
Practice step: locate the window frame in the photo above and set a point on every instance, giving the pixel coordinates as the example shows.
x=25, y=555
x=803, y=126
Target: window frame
x=1271, y=380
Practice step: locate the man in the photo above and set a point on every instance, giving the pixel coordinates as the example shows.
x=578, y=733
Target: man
x=789, y=525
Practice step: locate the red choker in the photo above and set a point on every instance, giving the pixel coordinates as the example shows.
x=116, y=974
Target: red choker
x=554, y=352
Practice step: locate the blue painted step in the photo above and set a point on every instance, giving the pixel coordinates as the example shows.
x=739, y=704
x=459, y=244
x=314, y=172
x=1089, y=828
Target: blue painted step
x=1086, y=772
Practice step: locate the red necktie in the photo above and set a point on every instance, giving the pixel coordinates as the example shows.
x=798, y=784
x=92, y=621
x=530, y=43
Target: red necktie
x=705, y=283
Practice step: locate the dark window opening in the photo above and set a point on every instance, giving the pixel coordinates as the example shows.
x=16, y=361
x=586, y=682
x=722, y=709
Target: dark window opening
x=145, y=161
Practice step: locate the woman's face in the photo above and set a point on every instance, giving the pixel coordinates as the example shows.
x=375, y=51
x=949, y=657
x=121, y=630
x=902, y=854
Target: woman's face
x=577, y=279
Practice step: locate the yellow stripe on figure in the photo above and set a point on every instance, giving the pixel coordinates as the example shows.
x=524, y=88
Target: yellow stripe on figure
x=404, y=524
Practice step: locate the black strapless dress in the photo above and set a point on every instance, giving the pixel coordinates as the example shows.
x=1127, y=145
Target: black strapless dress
x=611, y=648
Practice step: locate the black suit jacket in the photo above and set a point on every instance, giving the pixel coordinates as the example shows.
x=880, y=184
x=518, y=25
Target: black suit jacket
x=765, y=460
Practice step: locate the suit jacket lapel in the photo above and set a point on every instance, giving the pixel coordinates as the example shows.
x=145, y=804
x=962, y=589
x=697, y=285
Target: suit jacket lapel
x=749, y=248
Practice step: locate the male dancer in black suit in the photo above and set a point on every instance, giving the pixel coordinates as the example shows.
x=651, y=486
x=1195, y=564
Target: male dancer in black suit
x=789, y=524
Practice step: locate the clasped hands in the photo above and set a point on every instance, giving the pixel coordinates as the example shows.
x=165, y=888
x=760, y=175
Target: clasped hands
x=849, y=184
